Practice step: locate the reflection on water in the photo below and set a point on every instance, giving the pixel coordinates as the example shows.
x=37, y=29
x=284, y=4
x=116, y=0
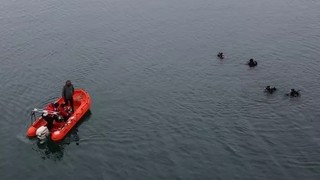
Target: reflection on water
x=49, y=150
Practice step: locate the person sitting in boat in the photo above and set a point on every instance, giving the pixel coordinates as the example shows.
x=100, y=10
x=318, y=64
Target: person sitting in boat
x=270, y=89
x=220, y=55
x=293, y=93
x=56, y=106
x=63, y=111
x=50, y=107
x=52, y=110
x=252, y=63
x=49, y=119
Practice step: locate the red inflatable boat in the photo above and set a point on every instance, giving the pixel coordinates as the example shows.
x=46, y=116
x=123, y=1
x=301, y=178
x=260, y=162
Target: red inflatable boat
x=82, y=102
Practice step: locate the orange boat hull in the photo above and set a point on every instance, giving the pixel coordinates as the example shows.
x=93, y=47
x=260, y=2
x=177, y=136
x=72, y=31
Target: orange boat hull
x=82, y=103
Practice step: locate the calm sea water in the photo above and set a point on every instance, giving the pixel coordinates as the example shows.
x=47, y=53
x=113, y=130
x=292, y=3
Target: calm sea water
x=163, y=106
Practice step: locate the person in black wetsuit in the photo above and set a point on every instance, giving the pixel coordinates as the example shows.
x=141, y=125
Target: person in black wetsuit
x=220, y=55
x=252, y=63
x=49, y=119
x=270, y=89
x=67, y=94
x=293, y=93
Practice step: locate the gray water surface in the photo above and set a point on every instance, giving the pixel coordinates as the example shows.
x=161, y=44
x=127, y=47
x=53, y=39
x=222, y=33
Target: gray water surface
x=163, y=105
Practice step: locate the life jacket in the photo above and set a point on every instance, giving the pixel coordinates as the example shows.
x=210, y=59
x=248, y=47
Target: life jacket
x=50, y=107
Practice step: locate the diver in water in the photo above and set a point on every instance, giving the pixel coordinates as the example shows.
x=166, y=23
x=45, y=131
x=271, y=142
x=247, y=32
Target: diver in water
x=252, y=63
x=270, y=89
x=220, y=55
x=293, y=93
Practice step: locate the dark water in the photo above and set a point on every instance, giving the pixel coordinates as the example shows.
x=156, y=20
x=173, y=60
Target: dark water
x=163, y=106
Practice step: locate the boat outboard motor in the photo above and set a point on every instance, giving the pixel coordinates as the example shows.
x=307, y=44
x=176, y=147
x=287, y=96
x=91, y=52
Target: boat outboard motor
x=42, y=133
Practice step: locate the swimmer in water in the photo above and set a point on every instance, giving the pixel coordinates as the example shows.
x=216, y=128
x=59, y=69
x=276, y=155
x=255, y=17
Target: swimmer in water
x=252, y=63
x=270, y=89
x=220, y=55
x=293, y=93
